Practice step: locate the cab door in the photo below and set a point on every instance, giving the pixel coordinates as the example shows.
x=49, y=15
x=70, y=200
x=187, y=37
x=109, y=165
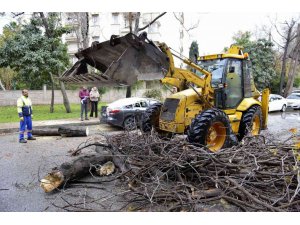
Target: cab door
x=233, y=87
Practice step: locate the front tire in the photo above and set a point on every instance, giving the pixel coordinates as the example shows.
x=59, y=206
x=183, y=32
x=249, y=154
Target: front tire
x=251, y=122
x=151, y=118
x=210, y=128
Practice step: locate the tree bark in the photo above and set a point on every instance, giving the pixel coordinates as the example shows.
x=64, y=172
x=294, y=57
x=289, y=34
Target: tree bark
x=288, y=39
x=68, y=131
x=73, y=131
x=73, y=170
x=65, y=97
x=1, y=85
x=52, y=94
x=46, y=132
x=293, y=65
x=84, y=25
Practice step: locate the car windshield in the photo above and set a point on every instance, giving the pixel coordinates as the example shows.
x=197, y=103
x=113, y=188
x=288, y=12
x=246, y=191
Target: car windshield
x=216, y=67
x=294, y=96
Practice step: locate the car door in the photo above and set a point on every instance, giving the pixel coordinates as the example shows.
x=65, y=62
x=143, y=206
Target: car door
x=272, y=104
x=277, y=103
x=281, y=102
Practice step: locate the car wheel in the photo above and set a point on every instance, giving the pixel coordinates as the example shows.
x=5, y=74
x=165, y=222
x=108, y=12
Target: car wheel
x=283, y=109
x=129, y=123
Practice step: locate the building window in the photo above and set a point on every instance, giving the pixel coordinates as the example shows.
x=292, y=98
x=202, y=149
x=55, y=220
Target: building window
x=115, y=18
x=95, y=19
x=96, y=38
x=153, y=28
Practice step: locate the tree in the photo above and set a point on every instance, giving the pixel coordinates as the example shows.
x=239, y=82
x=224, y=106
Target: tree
x=180, y=18
x=80, y=25
x=54, y=30
x=261, y=56
x=134, y=21
x=36, y=51
x=295, y=58
x=7, y=75
x=194, y=51
x=288, y=35
x=133, y=18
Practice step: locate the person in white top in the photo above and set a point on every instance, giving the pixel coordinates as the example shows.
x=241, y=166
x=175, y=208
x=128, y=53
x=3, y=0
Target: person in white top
x=94, y=98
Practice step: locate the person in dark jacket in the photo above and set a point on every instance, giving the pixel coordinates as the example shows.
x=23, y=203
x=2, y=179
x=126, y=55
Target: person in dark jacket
x=24, y=108
x=84, y=96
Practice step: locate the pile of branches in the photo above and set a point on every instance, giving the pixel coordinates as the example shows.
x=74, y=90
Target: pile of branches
x=173, y=175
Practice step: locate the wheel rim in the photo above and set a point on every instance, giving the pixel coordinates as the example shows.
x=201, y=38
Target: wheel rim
x=216, y=136
x=256, y=125
x=129, y=123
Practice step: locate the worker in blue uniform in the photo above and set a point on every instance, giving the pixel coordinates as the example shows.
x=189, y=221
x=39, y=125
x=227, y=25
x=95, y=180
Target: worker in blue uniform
x=24, y=106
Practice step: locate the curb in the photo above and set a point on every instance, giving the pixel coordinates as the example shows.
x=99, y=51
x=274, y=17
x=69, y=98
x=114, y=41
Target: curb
x=13, y=130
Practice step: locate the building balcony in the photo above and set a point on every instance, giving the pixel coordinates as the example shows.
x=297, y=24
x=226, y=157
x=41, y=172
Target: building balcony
x=70, y=38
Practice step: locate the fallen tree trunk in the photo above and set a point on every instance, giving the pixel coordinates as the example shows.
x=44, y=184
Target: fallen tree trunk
x=73, y=170
x=73, y=131
x=46, y=132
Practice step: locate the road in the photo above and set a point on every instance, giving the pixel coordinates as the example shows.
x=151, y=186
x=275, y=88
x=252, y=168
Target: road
x=23, y=165
x=279, y=123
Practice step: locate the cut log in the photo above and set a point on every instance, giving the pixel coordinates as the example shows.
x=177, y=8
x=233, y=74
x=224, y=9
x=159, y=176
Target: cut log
x=73, y=131
x=73, y=170
x=46, y=132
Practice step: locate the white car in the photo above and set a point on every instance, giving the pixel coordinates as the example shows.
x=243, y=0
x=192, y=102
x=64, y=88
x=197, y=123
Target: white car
x=277, y=103
x=294, y=100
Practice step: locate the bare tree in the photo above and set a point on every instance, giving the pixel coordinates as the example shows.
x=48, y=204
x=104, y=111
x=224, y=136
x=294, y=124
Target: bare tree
x=134, y=21
x=182, y=28
x=288, y=35
x=80, y=26
x=295, y=57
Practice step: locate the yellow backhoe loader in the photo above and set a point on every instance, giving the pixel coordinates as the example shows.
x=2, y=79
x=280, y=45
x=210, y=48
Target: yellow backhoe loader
x=215, y=105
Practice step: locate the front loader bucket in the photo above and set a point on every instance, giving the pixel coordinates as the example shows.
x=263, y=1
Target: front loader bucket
x=121, y=61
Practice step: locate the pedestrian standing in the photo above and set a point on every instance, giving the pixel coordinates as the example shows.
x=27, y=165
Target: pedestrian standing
x=84, y=96
x=94, y=98
x=24, y=108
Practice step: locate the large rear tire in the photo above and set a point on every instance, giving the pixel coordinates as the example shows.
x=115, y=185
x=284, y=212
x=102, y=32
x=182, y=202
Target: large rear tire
x=210, y=128
x=151, y=118
x=251, y=122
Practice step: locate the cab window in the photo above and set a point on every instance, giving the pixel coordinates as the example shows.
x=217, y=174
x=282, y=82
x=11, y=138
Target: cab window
x=233, y=90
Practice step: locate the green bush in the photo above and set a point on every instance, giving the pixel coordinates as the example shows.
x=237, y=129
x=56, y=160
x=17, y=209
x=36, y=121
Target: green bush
x=153, y=93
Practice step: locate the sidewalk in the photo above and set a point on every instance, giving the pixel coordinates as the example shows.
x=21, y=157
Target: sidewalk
x=14, y=127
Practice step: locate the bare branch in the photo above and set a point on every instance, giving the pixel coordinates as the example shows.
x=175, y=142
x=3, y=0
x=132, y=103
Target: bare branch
x=156, y=18
x=16, y=14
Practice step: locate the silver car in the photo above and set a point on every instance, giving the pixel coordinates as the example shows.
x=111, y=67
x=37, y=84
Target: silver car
x=126, y=112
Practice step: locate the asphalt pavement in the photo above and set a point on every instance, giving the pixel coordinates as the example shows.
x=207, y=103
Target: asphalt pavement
x=23, y=165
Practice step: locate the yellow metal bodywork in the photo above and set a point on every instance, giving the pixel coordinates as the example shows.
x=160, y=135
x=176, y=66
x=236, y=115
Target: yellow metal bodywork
x=192, y=101
x=265, y=107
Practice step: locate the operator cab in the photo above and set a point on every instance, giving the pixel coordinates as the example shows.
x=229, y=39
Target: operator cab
x=231, y=77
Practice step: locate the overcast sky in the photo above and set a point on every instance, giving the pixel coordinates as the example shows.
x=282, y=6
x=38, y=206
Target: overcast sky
x=216, y=29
